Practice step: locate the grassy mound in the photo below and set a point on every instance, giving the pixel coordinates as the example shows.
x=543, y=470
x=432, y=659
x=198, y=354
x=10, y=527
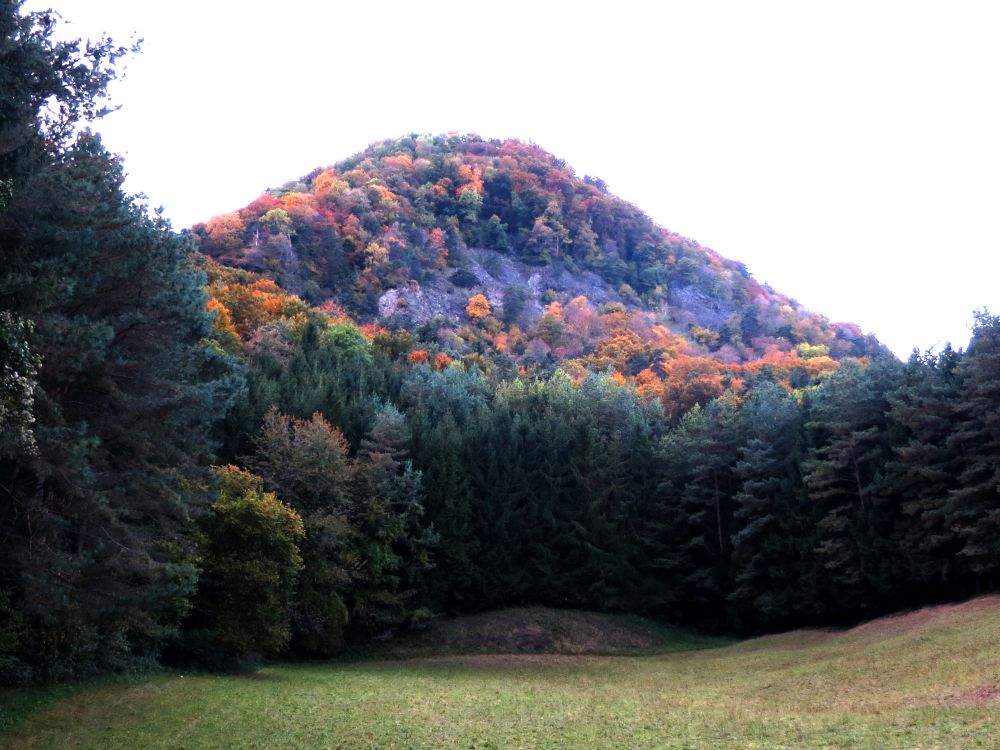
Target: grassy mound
x=538, y=630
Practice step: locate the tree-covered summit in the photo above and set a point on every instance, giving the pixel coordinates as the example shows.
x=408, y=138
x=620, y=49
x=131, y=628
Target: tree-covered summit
x=408, y=230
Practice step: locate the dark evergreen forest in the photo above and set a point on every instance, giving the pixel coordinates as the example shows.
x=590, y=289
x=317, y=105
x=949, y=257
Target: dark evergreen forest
x=199, y=467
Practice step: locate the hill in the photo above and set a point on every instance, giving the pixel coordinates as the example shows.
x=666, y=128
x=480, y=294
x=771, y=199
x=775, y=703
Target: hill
x=923, y=680
x=408, y=232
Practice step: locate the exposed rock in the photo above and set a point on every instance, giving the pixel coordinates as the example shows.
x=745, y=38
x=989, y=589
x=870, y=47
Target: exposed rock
x=438, y=298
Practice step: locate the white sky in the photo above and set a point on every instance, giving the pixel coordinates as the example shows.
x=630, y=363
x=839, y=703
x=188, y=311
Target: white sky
x=848, y=152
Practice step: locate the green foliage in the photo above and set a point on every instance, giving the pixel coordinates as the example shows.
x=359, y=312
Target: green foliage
x=471, y=473
x=249, y=553
x=924, y=470
x=124, y=405
x=843, y=473
x=771, y=534
x=18, y=372
x=464, y=278
x=47, y=87
x=973, y=507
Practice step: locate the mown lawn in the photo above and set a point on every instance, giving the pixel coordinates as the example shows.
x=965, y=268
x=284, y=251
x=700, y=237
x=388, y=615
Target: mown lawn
x=929, y=680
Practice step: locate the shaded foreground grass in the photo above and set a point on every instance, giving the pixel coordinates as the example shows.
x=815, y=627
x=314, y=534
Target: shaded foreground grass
x=920, y=681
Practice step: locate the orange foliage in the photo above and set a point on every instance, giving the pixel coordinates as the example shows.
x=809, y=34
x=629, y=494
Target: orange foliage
x=353, y=232
x=442, y=187
x=781, y=364
x=258, y=207
x=648, y=385
x=327, y=183
x=401, y=163
x=299, y=206
x=332, y=310
x=621, y=348
x=437, y=239
x=223, y=325
x=478, y=307
x=692, y=380
x=371, y=330
x=226, y=232
x=383, y=194
x=356, y=177
x=441, y=361
x=252, y=305
x=417, y=357
x=471, y=178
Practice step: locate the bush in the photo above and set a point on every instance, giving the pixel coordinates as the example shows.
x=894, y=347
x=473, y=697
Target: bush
x=464, y=278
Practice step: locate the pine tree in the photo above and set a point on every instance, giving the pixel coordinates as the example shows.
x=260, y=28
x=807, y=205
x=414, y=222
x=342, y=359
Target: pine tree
x=699, y=482
x=857, y=567
x=94, y=542
x=770, y=527
x=973, y=508
x=925, y=470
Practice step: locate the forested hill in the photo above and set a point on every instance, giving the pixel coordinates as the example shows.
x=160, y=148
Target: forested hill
x=409, y=231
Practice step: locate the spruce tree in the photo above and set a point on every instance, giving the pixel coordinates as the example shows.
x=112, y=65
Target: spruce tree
x=925, y=470
x=770, y=527
x=973, y=508
x=94, y=541
x=856, y=567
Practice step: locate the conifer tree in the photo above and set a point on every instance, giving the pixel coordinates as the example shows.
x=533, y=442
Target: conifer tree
x=925, y=470
x=699, y=482
x=770, y=528
x=973, y=508
x=128, y=390
x=856, y=565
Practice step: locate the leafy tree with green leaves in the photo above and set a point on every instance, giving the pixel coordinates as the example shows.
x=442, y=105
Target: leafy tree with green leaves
x=249, y=557
x=307, y=462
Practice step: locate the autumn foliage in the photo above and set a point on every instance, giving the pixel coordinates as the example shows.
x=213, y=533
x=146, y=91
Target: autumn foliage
x=478, y=307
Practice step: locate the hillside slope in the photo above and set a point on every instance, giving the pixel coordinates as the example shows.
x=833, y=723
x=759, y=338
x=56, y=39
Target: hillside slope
x=408, y=232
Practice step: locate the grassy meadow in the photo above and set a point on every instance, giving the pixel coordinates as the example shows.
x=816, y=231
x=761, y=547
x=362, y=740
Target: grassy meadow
x=928, y=679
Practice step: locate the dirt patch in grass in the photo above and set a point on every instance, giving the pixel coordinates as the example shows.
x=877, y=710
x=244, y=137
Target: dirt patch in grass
x=982, y=694
x=886, y=627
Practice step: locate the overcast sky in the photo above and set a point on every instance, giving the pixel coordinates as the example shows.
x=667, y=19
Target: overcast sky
x=848, y=152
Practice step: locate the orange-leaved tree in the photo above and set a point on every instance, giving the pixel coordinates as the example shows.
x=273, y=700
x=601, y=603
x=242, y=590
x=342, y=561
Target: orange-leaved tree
x=478, y=307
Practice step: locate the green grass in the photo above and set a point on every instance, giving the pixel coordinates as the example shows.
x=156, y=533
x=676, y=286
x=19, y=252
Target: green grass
x=916, y=682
